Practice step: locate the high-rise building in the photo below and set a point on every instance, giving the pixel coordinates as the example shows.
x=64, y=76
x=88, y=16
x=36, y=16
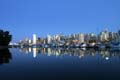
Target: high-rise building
x=104, y=36
x=93, y=38
x=73, y=36
x=30, y=41
x=34, y=39
x=49, y=38
x=56, y=37
x=87, y=38
x=119, y=32
x=81, y=38
x=119, y=35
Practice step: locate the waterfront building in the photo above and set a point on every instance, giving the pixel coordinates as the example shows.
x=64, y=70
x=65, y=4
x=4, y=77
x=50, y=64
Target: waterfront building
x=30, y=41
x=119, y=32
x=93, y=38
x=81, y=38
x=119, y=35
x=104, y=36
x=70, y=40
x=112, y=36
x=62, y=37
x=34, y=39
x=73, y=36
x=87, y=38
x=26, y=40
x=56, y=37
x=49, y=38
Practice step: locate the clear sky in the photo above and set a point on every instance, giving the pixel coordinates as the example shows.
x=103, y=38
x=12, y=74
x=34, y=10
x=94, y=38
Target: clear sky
x=25, y=17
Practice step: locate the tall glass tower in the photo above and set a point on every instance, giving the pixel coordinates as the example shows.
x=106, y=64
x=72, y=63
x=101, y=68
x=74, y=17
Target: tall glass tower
x=34, y=39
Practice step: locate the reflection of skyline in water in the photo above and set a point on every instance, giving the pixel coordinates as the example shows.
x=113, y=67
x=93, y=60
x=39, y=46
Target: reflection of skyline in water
x=5, y=56
x=81, y=53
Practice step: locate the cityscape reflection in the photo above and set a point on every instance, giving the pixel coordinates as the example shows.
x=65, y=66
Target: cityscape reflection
x=79, y=52
x=5, y=56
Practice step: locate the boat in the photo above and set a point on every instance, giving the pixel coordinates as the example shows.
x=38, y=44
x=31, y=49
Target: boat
x=5, y=38
x=83, y=45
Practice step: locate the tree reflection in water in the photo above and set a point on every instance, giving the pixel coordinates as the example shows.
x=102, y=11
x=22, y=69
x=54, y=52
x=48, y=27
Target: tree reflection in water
x=5, y=56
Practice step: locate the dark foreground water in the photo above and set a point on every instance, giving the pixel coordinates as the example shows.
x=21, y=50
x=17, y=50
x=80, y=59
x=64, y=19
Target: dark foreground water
x=59, y=64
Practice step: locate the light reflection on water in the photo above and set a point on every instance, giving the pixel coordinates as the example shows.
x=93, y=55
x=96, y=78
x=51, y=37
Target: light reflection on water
x=81, y=53
x=59, y=64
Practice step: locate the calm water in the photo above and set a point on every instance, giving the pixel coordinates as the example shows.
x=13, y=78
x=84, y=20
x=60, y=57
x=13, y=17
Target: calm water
x=59, y=64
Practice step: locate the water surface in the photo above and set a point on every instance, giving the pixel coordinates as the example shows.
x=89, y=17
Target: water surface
x=59, y=64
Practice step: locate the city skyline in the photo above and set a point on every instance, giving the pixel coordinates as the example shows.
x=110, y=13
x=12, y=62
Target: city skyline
x=59, y=39
x=24, y=18
x=35, y=36
x=104, y=39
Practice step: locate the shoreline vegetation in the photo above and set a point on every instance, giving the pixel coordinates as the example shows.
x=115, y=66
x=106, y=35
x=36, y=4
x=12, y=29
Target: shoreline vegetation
x=5, y=38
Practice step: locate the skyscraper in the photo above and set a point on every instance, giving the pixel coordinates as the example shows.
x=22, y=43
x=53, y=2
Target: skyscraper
x=34, y=39
x=104, y=35
x=49, y=38
x=81, y=38
x=119, y=32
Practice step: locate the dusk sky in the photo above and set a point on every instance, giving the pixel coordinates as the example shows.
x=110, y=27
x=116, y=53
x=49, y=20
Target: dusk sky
x=25, y=17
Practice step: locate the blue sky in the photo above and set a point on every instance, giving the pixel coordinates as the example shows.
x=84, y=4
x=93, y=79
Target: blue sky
x=25, y=17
